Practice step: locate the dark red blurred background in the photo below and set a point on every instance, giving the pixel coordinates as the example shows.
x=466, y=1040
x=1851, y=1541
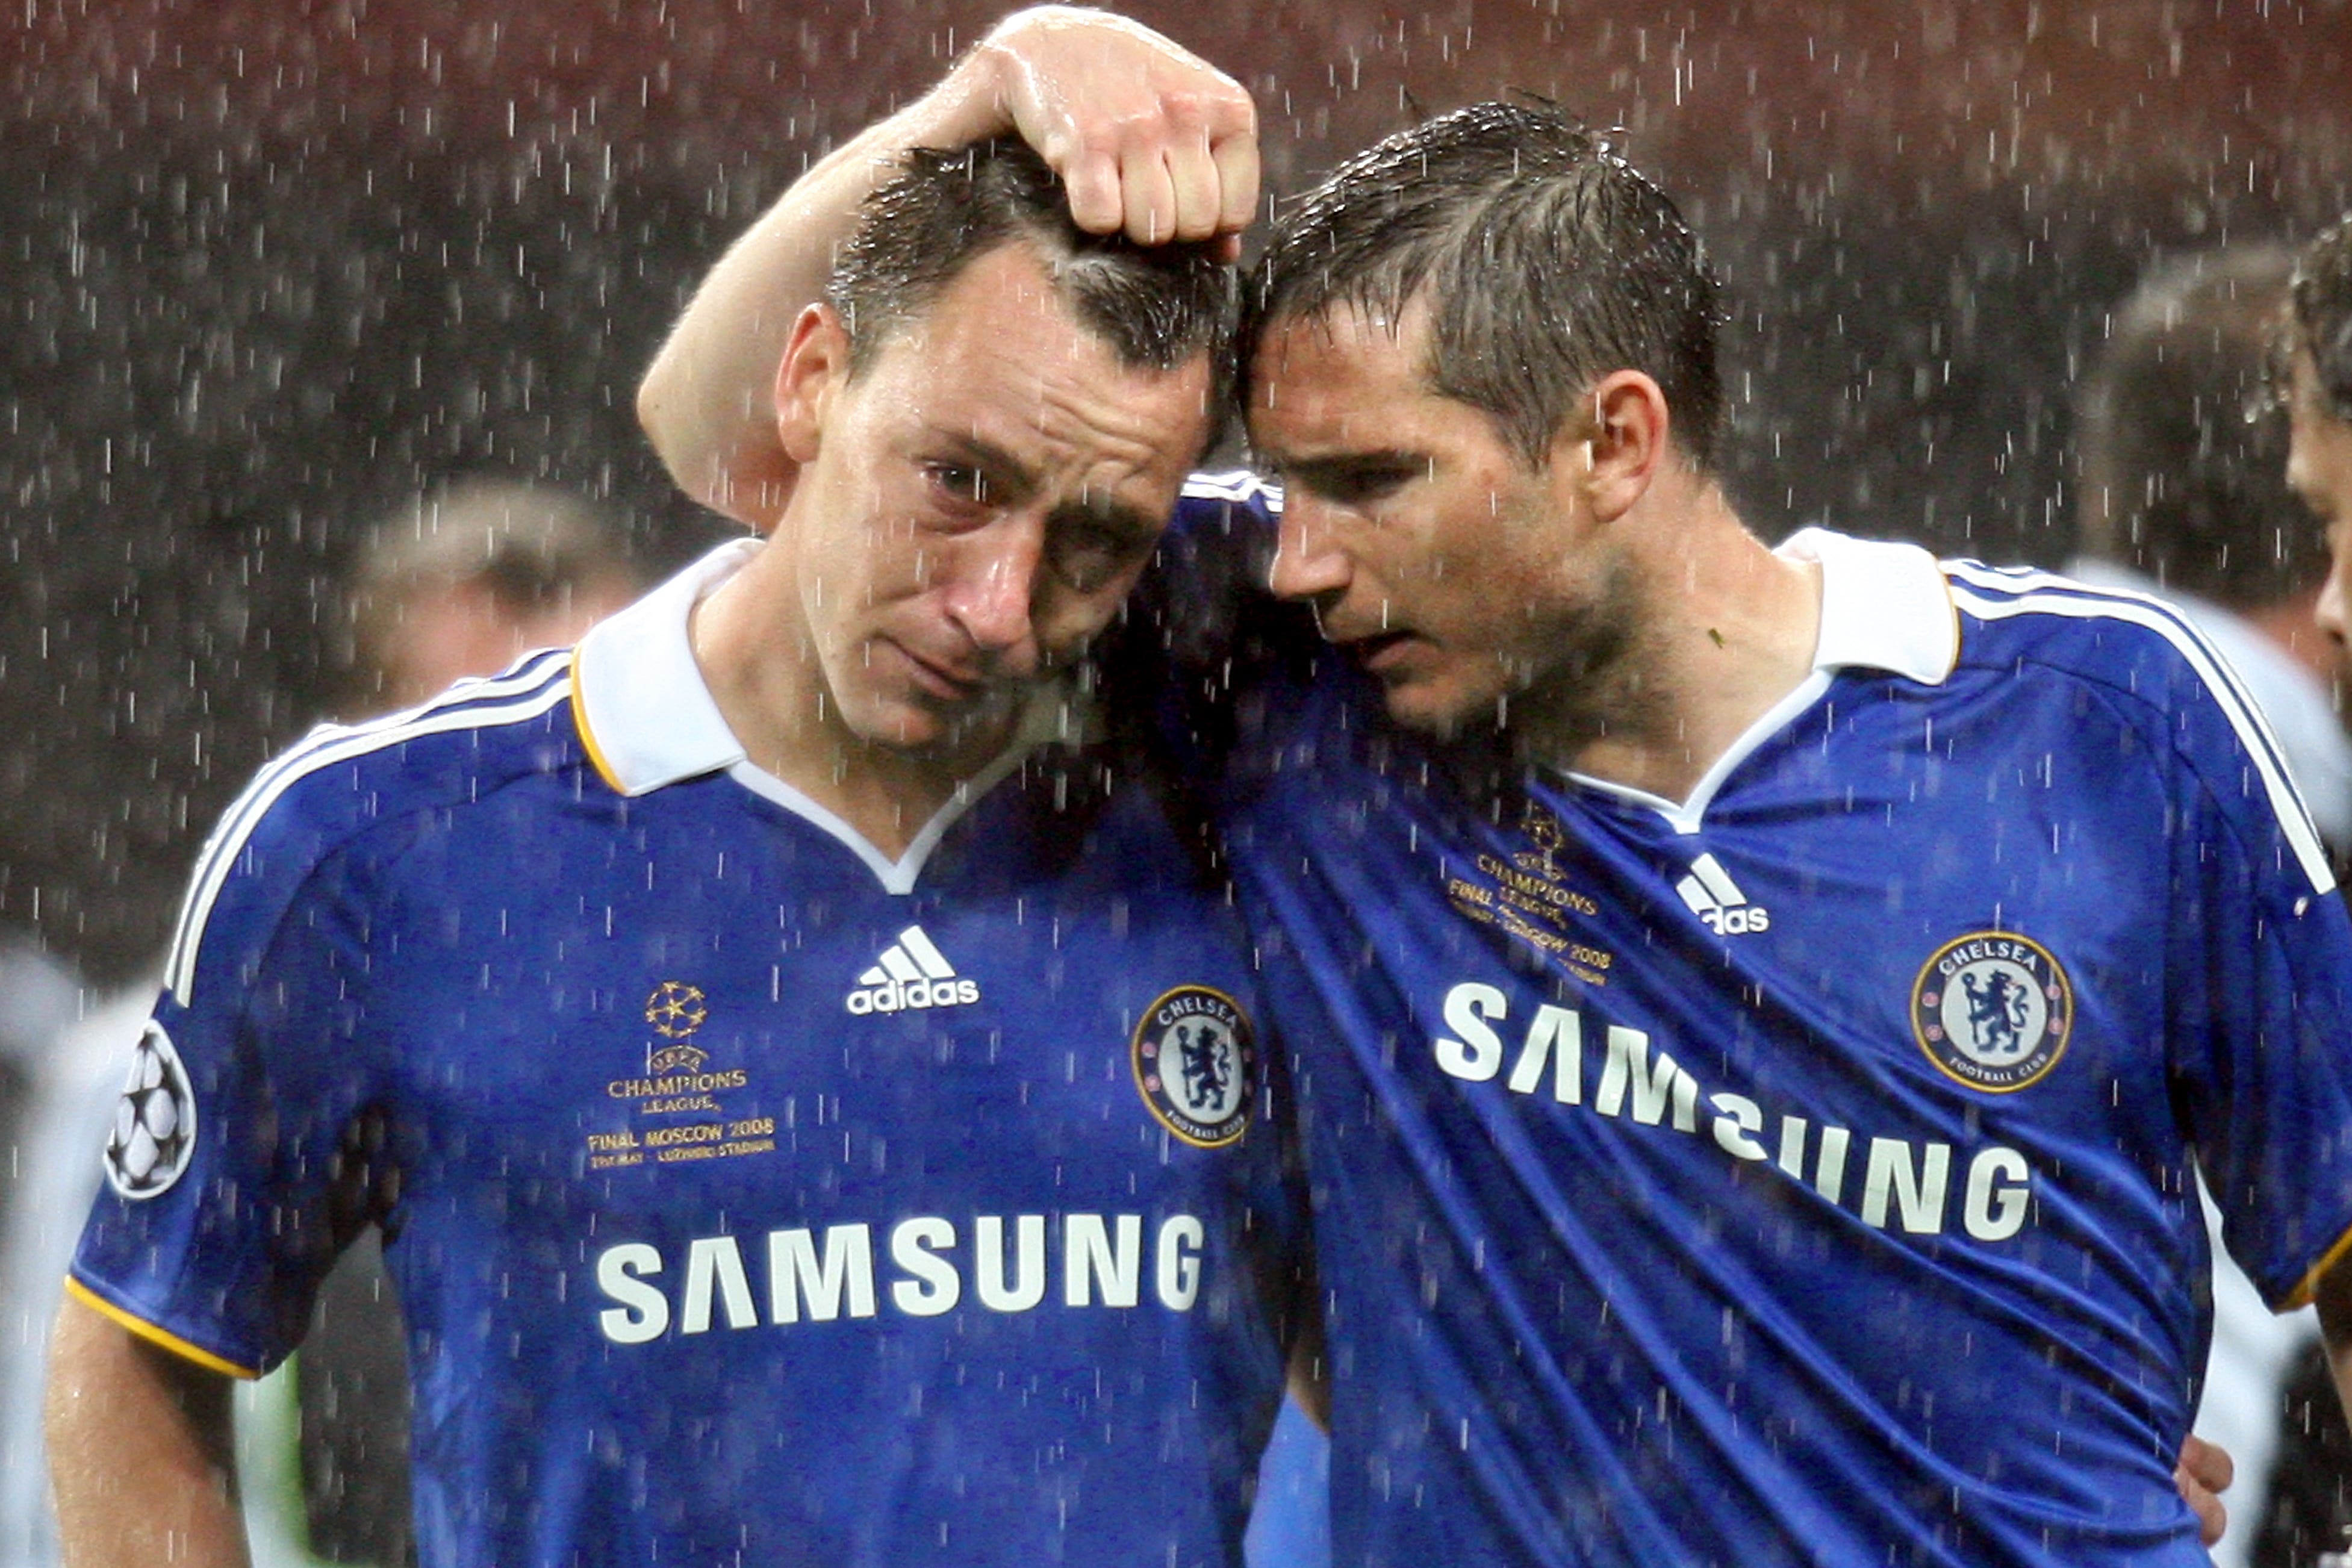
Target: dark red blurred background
x=274, y=267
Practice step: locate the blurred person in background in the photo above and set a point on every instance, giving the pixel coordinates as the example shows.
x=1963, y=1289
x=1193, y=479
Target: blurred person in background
x=2184, y=494
x=458, y=584
x=470, y=579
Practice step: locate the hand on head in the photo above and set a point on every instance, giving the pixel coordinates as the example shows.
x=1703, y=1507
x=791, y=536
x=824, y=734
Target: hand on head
x=1148, y=138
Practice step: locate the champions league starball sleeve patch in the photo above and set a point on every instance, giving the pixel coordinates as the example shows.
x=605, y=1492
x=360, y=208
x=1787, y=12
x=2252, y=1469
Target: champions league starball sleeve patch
x=1196, y=1059
x=154, y=1130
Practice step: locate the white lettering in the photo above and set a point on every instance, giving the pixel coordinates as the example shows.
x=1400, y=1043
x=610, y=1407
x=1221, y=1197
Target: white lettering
x=1179, y=1270
x=1627, y=1065
x=1088, y=1257
x=1029, y=1270
x=1478, y=1054
x=793, y=1272
x=915, y=1244
x=644, y=1311
x=1736, y=1128
x=1991, y=1213
x=1919, y=1194
x=1829, y=1175
x=709, y=1259
x=1792, y=1146
x=1555, y=1030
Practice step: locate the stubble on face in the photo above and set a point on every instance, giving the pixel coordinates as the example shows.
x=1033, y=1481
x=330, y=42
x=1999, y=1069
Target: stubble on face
x=969, y=509
x=995, y=480
x=1466, y=582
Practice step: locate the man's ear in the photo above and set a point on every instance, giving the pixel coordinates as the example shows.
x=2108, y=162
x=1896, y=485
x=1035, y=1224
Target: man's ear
x=1611, y=449
x=816, y=364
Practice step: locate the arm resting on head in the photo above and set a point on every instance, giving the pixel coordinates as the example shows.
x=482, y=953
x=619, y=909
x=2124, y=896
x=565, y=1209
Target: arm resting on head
x=1148, y=137
x=140, y=1450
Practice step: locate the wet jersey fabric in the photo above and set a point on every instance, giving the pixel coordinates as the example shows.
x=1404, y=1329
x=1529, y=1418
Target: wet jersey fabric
x=752, y=1197
x=1799, y=1173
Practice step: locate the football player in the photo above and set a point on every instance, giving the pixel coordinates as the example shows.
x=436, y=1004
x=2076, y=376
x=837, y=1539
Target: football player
x=815, y=1099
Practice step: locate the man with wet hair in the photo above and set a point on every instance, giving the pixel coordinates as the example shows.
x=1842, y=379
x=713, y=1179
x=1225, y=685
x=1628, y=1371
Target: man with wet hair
x=1760, y=1011
x=1888, y=941
x=814, y=1101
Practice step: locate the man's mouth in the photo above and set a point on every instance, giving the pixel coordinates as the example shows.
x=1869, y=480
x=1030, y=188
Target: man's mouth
x=1379, y=651
x=942, y=682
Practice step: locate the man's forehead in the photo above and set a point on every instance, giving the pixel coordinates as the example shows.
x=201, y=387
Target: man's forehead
x=1347, y=325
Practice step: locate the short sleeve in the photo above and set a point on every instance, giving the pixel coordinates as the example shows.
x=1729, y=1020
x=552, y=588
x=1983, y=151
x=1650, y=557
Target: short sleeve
x=218, y=1214
x=2261, y=972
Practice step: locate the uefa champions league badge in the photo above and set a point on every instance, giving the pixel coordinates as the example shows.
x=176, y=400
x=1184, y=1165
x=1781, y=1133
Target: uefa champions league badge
x=1993, y=1010
x=154, y=1131
x=1195, y=1059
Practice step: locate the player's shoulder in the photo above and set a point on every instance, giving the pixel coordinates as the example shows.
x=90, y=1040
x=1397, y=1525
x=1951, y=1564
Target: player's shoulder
x=2149, y=663
x=344, y=781
x=1236, y=485
x=474, y=738
x=2142, y=646
x=1227, y=495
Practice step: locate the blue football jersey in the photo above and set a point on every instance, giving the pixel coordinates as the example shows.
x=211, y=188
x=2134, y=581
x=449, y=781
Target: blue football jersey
x=752, y=1197
x=1801, y=1173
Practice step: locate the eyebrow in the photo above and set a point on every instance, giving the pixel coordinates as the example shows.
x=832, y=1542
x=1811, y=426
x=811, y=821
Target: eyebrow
x=1332, y=465
x=1131, y=523
x=1013, y=479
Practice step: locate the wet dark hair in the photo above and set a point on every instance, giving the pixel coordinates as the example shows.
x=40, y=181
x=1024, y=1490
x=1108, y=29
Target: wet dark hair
x=2322, y=322
x=1157, y=306
x=1547, y=260
x=2183, y=449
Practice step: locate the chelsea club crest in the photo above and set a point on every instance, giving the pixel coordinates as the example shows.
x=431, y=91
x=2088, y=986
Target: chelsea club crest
x=1195, y=1059
x=1993, y=1010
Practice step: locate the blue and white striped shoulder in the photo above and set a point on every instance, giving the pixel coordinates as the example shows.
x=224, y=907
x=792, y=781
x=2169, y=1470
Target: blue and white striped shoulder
x=540, y=683
x=2007, y=593
x=1235, y=485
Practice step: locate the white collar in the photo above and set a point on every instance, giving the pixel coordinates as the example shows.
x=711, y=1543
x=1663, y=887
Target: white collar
x=647, y=719
x=1883, y=606
x=646, y=715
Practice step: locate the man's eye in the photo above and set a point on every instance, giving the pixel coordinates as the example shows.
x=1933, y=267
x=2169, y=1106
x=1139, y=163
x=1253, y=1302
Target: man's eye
x=959, y=483
x=1357, y=485
x=1086, y=558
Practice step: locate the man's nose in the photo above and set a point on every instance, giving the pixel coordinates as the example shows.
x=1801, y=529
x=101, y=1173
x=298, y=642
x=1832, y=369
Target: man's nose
x=992, y=590
x=2329, y=612
x=1309, y=559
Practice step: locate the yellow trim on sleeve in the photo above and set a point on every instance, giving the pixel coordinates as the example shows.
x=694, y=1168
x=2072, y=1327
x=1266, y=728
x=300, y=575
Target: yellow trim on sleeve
x=587, y=737
x=147, y=1330
x=2303, y=1292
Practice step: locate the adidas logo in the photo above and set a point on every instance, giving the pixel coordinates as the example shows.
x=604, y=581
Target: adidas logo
x=912, y=973
x=1716, y=899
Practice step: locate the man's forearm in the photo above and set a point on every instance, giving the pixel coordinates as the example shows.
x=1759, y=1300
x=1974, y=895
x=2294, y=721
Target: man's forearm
x=141, y=1460
x=705, y=403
